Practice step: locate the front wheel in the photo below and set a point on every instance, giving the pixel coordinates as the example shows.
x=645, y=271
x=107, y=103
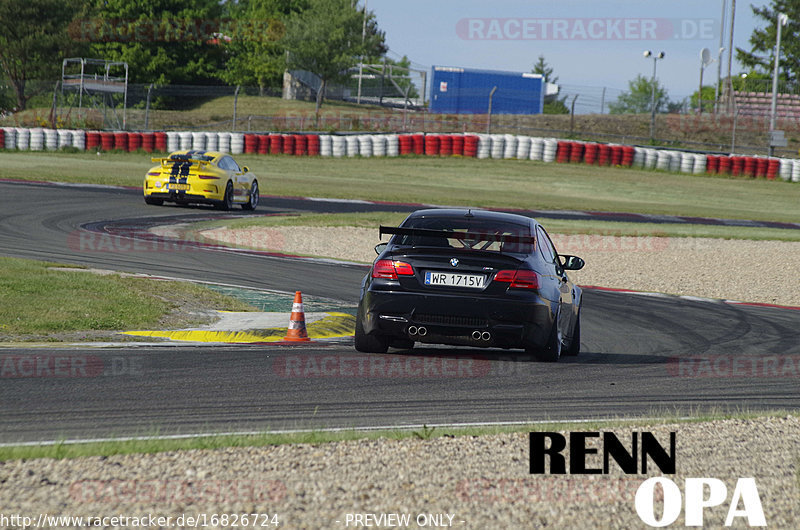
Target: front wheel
x=369, y=343
x=227, y=200
x=253, y=202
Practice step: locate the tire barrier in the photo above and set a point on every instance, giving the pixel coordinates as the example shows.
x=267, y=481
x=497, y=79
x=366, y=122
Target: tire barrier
x=616, y=155
x=773, y=166
x=787, y=166
x=288, y=144
x=761, y=167
x=338, y=146
x=9, y=138
x=50, y=139
x=445, y=145
x=237, y=143
x=64, y=138
x=198, y=141
x=509, y=146
x=392, y=145
x=352, y=145
x=121, y=141
x=590, y=153
x=312, y=144
x=300, y=145
x=37, y=139
x=326, y=145
x=365, y=145
x=724, y=165
x=431, y=145
x=253, y=144
x=576, y=152
x=650, y=158
x=499, y=146
x=484, y=146
x=563, y=151
x=628, y=152
x=603, y=155
x=275, y=144
x=135, y=142
x=471, y=145
x=663, y=160
x=687, y=163
x=675, y=161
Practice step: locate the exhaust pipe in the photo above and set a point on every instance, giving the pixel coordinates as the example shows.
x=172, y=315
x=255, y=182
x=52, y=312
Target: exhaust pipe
x=476, y=335
x=412, y=330
x=486, y=335
x=422, y=330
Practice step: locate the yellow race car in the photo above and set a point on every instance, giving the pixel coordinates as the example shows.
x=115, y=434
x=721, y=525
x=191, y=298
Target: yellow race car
x=207, y=177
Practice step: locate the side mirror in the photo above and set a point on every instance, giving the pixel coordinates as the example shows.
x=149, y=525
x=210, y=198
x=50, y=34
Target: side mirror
x=572, y=263
x=380, y=247
x=245, y=169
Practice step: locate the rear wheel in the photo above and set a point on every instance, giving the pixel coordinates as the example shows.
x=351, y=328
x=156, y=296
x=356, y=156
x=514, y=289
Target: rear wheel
x=369, y=343
x=253, y=202
x=154, y=202
x=402, y=344
x=575, y=346
x=551, y=351
x=227, y=200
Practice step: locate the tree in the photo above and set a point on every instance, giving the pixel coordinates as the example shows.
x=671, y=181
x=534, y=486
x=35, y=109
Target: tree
x=552, y=104
x=326, y=40
x=638, y=99
x=707, y=96
x=542, y=68
x=163, y=41
x=761, y=56
x=256, y=53
x=33, y=41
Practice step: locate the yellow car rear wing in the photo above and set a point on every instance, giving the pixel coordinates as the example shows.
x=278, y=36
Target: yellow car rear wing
x=170, y=161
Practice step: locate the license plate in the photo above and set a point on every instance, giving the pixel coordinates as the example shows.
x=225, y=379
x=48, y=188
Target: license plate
x=179, y=186
x=452, y=279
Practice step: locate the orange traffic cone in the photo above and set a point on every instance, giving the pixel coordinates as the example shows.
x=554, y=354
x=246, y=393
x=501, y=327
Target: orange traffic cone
x=297, y=322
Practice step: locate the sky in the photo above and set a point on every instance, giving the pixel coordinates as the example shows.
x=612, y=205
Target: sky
x=589, y=43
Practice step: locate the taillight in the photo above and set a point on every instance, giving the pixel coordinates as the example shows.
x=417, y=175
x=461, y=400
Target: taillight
x=386, y=268
x=520, y=279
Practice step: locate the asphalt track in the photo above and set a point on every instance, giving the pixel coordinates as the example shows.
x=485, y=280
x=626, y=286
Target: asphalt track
x=641, y=354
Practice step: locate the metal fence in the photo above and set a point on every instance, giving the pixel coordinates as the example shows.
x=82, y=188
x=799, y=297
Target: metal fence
x=259, y=109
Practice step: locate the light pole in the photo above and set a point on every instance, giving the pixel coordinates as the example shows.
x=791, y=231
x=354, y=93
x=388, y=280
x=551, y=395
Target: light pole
x=782, y=21
x=655, y=57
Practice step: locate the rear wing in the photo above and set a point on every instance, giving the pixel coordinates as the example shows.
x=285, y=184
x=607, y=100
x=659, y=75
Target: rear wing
x=447, y=234
x=168, y=162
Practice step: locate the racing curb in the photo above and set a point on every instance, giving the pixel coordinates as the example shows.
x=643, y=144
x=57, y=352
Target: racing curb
x=332, y=326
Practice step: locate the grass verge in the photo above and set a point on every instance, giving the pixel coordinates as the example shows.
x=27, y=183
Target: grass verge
x=36, y=300
x=554, y=226
x=457, y=180
x=153, y=444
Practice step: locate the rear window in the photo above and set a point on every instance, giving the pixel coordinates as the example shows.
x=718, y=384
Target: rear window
x=193, y=156
x=464, y=225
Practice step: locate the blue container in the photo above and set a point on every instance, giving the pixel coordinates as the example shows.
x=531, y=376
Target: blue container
x=466, y=91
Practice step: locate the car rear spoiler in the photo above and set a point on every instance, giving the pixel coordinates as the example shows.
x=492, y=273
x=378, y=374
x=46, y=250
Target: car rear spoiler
x=447, y=234
x=168, y=161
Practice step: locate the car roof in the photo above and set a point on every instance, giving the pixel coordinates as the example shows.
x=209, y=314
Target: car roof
x=474, y=212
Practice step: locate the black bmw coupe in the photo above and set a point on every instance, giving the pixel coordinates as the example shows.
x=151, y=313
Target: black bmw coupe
x=470, y=278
